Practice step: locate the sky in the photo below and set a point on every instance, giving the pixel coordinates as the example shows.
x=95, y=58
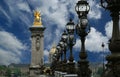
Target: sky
x=16, y=17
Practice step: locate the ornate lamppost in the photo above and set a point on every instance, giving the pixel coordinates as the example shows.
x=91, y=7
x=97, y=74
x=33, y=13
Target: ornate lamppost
x=58, y=58
x=61, y=43
x=70, y=27
x=113, y=65
x=103, y=45
x=64, y=39
x=64, y=46
x=82, y=9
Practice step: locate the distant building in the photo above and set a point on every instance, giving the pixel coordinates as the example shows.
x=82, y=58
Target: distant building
x=24, y=68
x=52, y=51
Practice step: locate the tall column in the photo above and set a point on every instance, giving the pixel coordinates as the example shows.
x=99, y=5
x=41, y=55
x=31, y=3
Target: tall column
x=113, y=65
x=37, y=46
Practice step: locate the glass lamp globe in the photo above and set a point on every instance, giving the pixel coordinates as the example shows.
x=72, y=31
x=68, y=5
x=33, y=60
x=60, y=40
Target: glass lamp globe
x=71, y=37
x=61, y=42
x=70, y=26
x=84, y=23
x=58, y=48
x=82, y=7
x=64, y=36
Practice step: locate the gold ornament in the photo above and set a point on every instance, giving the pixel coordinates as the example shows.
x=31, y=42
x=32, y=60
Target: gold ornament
x=37, y=19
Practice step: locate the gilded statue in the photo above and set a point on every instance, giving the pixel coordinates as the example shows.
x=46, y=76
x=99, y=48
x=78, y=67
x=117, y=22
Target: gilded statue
x=37, y=18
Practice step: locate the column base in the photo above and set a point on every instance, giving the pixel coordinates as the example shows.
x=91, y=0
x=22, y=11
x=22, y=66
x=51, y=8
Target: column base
x=64, y=67
x=83, y=69
x=71, y=68
x=34, y=71
x=113, y=65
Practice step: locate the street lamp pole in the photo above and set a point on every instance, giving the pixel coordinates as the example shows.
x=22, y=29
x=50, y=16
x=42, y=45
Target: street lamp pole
x=103, y=45
x=64, y=38
x=58, y=57
x=70, y=27
x=63, y=44
x=113, y=65
x=82, y=9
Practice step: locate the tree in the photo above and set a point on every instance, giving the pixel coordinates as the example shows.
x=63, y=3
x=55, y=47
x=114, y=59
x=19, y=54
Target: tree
x=8, y=72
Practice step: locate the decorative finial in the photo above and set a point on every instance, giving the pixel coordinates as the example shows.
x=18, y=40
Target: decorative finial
x=37, y=19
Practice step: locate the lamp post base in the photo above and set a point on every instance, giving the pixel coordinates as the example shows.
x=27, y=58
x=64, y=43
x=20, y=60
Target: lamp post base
x=83, y=69
x=64, y=67
x=71, y=68
x=113, y=66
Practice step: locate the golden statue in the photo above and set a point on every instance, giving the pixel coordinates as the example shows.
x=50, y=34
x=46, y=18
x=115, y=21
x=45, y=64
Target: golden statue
x=37, y=18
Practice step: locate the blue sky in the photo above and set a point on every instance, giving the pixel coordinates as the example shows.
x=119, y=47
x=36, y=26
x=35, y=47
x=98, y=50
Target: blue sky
x=16, y=16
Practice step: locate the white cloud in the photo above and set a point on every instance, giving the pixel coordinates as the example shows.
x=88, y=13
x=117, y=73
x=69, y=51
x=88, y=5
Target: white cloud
x=55, y=11
x=78, y=44
x=46, y=53
x=108, y=29
x=23, y=6
x=18, y=10
x=94, y=12
x=7, y=57
x=93, y=41
x=10, y=48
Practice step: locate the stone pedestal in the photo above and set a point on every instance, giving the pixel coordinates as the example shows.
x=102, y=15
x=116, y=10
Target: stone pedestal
x=37, y=39
x=64, y=67
x=71, y=68
x=70, y=75
x=60, y=74
x=34, y=71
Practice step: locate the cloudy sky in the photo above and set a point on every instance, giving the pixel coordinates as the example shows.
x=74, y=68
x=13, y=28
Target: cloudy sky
x=16, y=16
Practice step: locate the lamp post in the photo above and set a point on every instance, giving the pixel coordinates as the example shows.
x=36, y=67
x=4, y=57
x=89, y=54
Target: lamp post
x=113, y=65
x=58, y=57
x=64, y=46
x=58, y=52
x=64, y=39
x=82, y=9
x=70, y=27
x=61, y=43
x=54, y=62
x=103, y=45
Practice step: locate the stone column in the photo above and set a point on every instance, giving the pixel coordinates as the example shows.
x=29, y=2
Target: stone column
x=37, y=40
